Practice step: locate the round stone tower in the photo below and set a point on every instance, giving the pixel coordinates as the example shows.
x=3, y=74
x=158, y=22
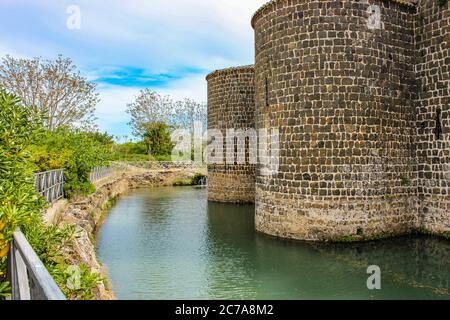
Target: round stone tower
x=231, y=106
x=335, y=78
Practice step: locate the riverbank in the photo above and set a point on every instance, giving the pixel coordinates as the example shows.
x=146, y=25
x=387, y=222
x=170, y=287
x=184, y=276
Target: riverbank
x=85, y=214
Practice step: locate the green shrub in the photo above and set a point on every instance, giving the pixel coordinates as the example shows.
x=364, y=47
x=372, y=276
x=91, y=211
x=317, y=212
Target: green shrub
x=18, y=199
x=5, y=290
x=130, y=148
x=157, y=139
x=76, y=151
x=182, y=182
x=88, y=280
x=197, y=179
x=20, y=206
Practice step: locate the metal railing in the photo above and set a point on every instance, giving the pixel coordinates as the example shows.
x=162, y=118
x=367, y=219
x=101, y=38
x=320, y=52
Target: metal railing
x=28, y=276
x=50, y=184
x=99, y=173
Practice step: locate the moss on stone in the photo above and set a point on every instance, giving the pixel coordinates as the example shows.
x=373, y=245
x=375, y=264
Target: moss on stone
x=182, y=182
x=362, y=238
x=428, y=232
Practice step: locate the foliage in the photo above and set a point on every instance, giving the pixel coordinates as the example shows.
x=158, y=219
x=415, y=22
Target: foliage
x=182, y=182
x=442, y=2
x=54, y=87
x=135, y=151
x=88, y=281
x=104, y=139
x=130, y=148
x=5, y=290
x=405, y=181
x=18, y=200
x=157, y=139
x=428, y=232
x=152, y=107
x=149, y=107
x=48, y=241
x=76, y=151
x=196, y=180
x=20, y=206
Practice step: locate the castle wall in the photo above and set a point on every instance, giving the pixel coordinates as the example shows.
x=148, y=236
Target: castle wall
x=340, y=94
x=231, y=106
x=433, y=121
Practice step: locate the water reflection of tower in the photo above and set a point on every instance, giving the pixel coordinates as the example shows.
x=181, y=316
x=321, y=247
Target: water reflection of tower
x=230, y=251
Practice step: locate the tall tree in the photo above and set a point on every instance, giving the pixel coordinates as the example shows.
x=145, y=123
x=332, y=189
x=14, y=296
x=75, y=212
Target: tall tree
x=149, y=107
x=157, y=139
x=189, y=112
x=55, y=88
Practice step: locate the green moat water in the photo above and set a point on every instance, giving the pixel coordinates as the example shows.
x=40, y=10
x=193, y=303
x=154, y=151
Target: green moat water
x=170, y=243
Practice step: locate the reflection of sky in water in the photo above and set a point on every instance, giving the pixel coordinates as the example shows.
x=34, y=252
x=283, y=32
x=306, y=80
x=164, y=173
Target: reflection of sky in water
x=170, y=243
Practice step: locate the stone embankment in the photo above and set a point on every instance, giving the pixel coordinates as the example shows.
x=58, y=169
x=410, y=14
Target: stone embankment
x=86, y=214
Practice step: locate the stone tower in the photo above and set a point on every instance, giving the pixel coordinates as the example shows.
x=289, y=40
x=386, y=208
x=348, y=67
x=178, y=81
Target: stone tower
x=360, y=94
x=231, y=106
x=432, y=35
x=340, y=93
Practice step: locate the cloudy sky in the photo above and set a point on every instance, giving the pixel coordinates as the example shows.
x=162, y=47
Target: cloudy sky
x=127, y=45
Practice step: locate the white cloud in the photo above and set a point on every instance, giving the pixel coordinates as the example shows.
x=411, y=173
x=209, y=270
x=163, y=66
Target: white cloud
x=159, y=36
x=192, y=87
x=111, y=110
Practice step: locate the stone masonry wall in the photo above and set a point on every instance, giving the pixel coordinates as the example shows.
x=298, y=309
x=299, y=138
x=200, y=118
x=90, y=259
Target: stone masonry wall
x=343, y=98
x=433, y=114
x=231, y=105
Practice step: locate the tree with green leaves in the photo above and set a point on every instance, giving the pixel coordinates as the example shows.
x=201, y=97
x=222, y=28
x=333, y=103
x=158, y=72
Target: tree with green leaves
x=157, y=138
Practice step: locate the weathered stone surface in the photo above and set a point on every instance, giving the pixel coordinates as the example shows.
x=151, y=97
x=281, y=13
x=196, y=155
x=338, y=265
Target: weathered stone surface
x=432, y=35
x=363, y=115
x=231, y=106
x=341, y=87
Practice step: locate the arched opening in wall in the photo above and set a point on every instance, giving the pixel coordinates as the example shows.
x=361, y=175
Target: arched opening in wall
x=438, y=125
x=266, y=86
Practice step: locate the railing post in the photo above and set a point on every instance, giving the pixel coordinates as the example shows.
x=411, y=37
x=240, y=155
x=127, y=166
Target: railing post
x=29, y=278
x=12, y=272
x=23, y=283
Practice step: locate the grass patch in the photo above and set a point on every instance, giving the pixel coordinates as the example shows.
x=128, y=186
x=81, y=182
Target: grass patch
x=182, y=182
x=194, y=181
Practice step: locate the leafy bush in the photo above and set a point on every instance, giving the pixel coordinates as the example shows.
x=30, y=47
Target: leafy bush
x=19, y=203
x=18, y=199
x=135, y=151
x=131, y=148
x=157, y=138
x=49, y=241
x=88, y=280
x=76, y=151
x=20, y=206
x=197, y=179
x=5, y=290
